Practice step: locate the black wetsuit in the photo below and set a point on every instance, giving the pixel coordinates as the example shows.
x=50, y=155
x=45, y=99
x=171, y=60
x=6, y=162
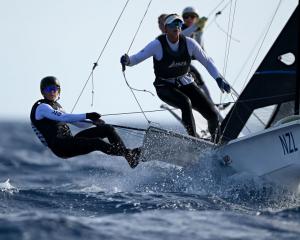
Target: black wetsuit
x=58, y=137
x=184, y=97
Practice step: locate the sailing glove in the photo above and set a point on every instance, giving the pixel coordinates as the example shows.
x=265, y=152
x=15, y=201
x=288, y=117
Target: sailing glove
x=223, y=85
x=201, y=23
x=93, y=116
x=125, y=60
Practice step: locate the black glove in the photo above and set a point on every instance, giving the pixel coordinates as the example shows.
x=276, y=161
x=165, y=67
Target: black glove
x=93, y=116
x=125, y=60
x=224, y=86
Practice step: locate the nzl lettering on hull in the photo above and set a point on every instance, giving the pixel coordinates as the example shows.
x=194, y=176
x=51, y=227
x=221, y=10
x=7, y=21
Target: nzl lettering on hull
x=288, y=143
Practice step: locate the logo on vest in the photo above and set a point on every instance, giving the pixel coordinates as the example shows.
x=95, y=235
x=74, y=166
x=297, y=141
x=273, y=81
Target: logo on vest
x=177, y=64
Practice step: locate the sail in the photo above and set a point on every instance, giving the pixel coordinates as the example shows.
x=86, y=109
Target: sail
x=273, y=84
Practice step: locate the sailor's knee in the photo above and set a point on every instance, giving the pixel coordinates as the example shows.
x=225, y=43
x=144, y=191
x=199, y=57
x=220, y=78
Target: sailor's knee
x=107, y=128
x=186, y=105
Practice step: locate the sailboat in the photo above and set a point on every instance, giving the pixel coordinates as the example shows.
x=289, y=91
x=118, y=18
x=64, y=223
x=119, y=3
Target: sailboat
x=274, y=151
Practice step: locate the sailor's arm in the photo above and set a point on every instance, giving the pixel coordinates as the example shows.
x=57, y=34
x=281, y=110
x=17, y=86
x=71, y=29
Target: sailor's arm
x=46, y=111
x=189, y=30
x=79, y=124
x=196, y=51
x=153, y=49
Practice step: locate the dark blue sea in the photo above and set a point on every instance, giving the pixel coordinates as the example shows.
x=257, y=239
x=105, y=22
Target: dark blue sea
x=99, y=197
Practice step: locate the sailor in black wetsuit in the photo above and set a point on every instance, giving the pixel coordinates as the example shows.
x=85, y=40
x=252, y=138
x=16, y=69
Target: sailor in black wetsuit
x=49, y=122
x=172, y=54
x=192, y=27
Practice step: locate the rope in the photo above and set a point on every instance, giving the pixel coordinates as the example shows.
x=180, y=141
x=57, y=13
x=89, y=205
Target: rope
x=123, y=70
x=249, y=56
x=137, y=101
x=129, y=128
x=214, y=9
x=156, y=110
x=228, y=39
x=268, y=29
x=96, y=63
x=226, y=33
x=138, y=29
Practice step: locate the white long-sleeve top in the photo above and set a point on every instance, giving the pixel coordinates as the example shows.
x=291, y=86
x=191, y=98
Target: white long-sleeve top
x=154, y=49
x=46, y=111
x=193, y=33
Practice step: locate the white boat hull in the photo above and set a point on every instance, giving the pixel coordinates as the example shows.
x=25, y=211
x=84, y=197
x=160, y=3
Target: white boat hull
x=273, y=153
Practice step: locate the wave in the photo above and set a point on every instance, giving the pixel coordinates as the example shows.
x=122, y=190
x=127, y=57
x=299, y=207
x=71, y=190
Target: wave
x=162, y=224
x=30, y=166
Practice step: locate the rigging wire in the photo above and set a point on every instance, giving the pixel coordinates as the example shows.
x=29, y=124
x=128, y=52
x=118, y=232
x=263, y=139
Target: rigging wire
x=267, y=31
x=123, y=70
x=228, y=41
x=263, y=41
x=251, y=53
x=224, y=31
x=157, y=110
x=214, y=9
x=217, y=14
x=100, y=55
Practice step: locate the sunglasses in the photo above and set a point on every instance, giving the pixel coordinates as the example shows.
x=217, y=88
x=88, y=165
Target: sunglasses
x=175, y=24
x=189, y=16
x=51, y=88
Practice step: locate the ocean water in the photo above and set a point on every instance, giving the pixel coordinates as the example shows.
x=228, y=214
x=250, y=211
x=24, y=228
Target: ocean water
x=99, y=197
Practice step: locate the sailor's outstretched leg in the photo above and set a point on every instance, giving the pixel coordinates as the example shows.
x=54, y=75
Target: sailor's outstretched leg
x=176, y=98
x=203, y=105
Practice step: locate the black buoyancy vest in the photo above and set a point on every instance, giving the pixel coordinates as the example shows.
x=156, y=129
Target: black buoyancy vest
x=173, y=64
x=48, y=130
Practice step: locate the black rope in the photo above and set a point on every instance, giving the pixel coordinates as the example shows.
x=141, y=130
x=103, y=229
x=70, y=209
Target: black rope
x=96, y=63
